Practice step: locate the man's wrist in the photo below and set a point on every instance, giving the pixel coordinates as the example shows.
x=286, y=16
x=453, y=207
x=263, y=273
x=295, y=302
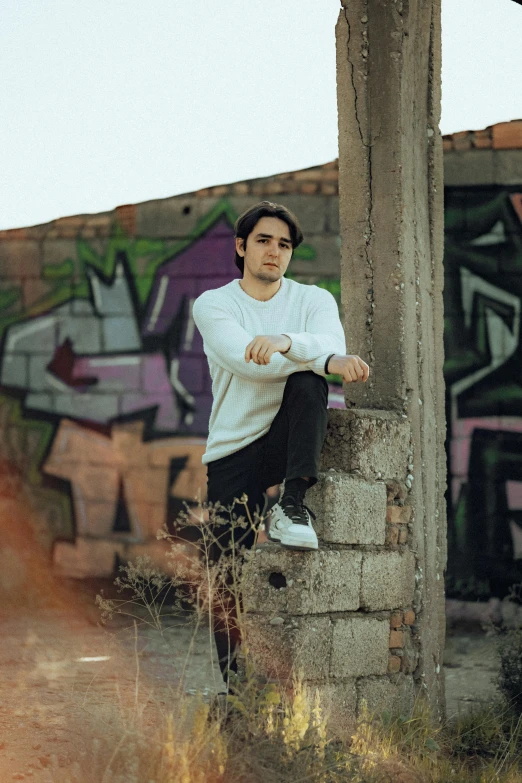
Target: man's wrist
x=289, y=338
x=327, y=368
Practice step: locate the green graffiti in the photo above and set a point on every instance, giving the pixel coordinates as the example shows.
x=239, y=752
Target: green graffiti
x=41, y=433
x=9, y=297
x=58, y=271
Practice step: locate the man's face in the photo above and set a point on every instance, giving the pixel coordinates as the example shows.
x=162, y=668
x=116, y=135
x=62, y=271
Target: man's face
x=268, y=250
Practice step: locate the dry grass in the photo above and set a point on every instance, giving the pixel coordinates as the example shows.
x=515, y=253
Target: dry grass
x=271, y=732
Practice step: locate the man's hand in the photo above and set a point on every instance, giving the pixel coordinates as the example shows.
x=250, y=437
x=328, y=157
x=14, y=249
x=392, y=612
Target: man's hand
x=263, y=346
x=352, y=368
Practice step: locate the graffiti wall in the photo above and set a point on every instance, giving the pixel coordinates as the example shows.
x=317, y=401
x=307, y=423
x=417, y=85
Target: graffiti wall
x=483, y=370
x=106, y=393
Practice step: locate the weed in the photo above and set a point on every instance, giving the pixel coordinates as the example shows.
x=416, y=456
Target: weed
x=272, y=731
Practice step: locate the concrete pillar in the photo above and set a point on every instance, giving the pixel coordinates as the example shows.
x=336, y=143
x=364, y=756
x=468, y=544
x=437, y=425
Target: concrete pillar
x=391, y=218
x=363, y=618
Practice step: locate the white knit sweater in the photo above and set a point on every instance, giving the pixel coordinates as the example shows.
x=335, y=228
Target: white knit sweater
x=247, y=396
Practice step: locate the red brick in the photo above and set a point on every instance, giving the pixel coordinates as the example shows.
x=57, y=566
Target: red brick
x=409, y=617
x=482, y=139
x=396, y=620
x=126, y=217
x=394, y=664
x=447, y=145
x=392, y=535
x=273, y=187
x=507, y=135
x=241, y=188
x=219, y=190
x=462, y=141
x=393, y=514
x=13, y=233
x=396, y=638
x=308, y=187
x=203, y=192
x=329, y=189
x=398, y=515
x=310, y=174
x=332, y=164
x=403, y=535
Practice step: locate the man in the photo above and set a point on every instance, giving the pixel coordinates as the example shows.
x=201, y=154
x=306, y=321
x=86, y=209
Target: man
x=270, y=342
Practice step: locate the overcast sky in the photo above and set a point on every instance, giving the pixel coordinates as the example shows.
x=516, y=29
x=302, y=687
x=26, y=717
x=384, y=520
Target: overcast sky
x=106, y=102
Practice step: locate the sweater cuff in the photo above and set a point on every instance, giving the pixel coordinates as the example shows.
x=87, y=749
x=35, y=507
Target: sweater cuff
x=300, y=350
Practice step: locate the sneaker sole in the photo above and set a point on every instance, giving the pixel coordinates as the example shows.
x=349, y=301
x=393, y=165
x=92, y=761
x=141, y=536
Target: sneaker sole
x=301, y=547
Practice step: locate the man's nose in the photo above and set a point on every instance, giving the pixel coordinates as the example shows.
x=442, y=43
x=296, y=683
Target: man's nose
x=274, y=249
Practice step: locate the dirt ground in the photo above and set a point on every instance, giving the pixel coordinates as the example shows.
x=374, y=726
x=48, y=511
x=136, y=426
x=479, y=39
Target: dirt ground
x=68, y=681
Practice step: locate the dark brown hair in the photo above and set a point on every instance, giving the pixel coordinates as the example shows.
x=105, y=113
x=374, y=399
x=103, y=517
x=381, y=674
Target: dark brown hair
x=246, y=223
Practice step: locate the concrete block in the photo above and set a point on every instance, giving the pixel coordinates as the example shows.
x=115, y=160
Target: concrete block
x=327, y=259
x=309, y=210
x=508, y=167
x=332, y=214
x=349, y=510
x=394, y=694
x=281, y=645
x=19, y=258
x=120, y=333
x=99, y=484
x=56, y=251
x=84, y=332
x=171, y=217
x=374, y=444
x=85, y=558
x=470, y=167
x=147, y=518
x=14, y=370
x=338, y=704
x=40, y=401
x=388, y=580
x=37, y=335
x=279, y=581
x=146, y=484
x=94, y=518
x=96, y=407
x=39, y=378
x=359, y=647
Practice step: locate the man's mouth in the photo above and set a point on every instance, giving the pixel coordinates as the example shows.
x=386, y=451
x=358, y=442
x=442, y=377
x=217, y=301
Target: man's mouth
x=270, y=264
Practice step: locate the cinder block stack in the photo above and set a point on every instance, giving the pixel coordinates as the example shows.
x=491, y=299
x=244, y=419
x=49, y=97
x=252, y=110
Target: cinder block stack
x=344, y=616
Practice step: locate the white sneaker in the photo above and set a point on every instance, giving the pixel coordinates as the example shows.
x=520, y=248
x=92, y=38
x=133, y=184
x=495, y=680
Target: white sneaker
x=291, y=525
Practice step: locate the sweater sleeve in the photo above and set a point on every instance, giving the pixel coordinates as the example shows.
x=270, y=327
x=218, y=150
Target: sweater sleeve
x=323, y=333
x=225, y=342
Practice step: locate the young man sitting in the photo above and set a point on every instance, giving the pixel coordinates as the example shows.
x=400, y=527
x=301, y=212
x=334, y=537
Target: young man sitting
x=270, y=342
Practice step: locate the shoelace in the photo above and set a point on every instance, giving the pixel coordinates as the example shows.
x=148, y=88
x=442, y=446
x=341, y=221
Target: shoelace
x=294, y=509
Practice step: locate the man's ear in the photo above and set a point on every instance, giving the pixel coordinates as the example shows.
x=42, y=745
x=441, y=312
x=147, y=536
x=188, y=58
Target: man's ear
x=240, y=247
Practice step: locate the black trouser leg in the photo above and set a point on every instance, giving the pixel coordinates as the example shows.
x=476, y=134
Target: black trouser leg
x=229, y=478
x=290, y=449
x=298, y=431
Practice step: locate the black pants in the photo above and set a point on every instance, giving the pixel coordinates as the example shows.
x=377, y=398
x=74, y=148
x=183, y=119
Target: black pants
x=290, y=449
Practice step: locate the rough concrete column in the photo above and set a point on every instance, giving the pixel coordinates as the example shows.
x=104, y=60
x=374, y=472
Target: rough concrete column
x=391, y=213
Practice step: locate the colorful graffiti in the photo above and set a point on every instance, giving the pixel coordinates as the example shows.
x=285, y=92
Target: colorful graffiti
x=107, y=371
x=483, y=371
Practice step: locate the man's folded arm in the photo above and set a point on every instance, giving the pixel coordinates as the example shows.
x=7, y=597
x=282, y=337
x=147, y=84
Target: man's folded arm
x=225, y=343
x=324, y=334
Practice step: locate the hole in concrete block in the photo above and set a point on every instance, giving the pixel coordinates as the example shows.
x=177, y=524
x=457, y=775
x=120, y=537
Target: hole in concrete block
x=187, y=210
x=277, y=580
